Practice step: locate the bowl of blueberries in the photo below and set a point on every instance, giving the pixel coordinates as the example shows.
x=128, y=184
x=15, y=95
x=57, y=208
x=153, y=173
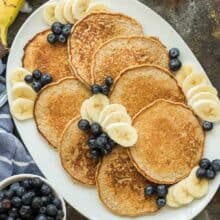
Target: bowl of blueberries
x=27, y=196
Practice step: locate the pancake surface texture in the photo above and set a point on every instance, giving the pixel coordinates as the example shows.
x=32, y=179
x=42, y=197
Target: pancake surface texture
x=74, y=154
x=170, y=141
x=53, y=59
x=138, y=86
x=121, y=187
x=56, y=105
x=120, y=53
x=93, y=30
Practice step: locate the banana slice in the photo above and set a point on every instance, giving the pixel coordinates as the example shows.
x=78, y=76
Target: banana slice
x=196, y=187
x=22, y=90
x=59, y=12
x=122, y=133
x=115, y=117
x=79, y=8
x=170, y=198
x=49, y=13
x=184, y=71
x=95, y=105
x=22, y=109
x=201, y=88
x=207, y=110
x=83, y=111
x=67, y=11
x=97, y=7
x=18, y=75
x=109, y=109
x=192, y=80
x=181, y=194
x=202, y=95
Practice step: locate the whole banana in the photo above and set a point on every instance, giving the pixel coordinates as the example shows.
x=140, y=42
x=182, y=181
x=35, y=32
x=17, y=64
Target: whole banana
x=9, y=10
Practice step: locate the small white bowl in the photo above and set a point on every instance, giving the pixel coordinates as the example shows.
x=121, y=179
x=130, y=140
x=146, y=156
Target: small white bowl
x=16, y=178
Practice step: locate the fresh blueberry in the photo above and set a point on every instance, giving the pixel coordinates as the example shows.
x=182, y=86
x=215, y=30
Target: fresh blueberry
x=41, y=217
x=6, y=204
x=92, y=143
x=36, y=203
x=216, y=165
x=36, y=74
x=83, y=125
x=161, y=190
x=95, y=153
x=46, y=79
x=45, y=200
x=60, y=214
x=96, y=129
x=210, y=174
x=174, y=53
x=26, y=184
x=2, y=194
x=207, y=126
x=175, y=64
x=205, y=163
x=36, y=86
x=109, y=81
x=15, y=186
x=106, y=149
x=105, y=90
x=51, y=38
x=101, y=141
x=45, y=189
x=66, y=30
x=25, y=212
x=62, y=38
x=9, y=218
x=43, y=210
x=36, y=182
x=9, y=193
x=51, y=210
x=57, y=27
x=28, y=78
x=27, y=197
x=20, y=191
x=16, y=201
x=50, y=198
x=57, y=202
x=95, y=89
x=13, y=213
x=149, y=190
x=201, y=173
x=161, y=202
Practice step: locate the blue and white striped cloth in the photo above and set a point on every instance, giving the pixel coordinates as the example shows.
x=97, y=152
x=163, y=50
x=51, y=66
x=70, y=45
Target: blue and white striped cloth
x=14, y=158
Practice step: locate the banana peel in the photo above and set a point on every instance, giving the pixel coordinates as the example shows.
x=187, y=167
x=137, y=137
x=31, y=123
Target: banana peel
x=9, y=10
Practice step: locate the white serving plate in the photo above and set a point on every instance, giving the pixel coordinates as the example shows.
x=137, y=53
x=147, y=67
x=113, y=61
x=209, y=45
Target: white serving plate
x=85, y=199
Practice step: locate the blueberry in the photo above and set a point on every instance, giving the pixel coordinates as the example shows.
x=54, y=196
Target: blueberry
x=105, y=90
x=9, y=218
x=36, y=203
x=62, y=38
x=57, y=27
x=201, y=173
x=149, y=190
x=175, y=64
x=45, y=189
x=26, y=184
x=41, y=217
x=28, y=78
x=46, y=79
x=9, y=193
x=36, y=182
x=13, y=212
x=106, y=149
x=60, y=214
x=101, y=141
x=210, y=174
x=27, y=198
x=95, y=89
x=36, y=86
x=95, y=153
x=6, y=204
x=174, y=53
x=43, y=210
x=109, y=81
x=15, y=186
x=25, y=212
x=36, y=74
x=83, y=125
x=96, y=129
x=51, y=210
x=57, y=202
x=51, y=38
x=161, y=202
x=2, y=194
x=66, y=30
x=216, y=165
x=204, y=163
x=16, y=202
x=207, y=126
x=92, y=143
x=161, y=190
x=20, y=191
x=45, y=200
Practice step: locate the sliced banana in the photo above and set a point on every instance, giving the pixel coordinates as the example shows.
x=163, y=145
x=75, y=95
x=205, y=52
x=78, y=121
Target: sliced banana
x=67, y=11
x=95, y=105
x=49, y=13
x=109, y=109
x=97, y=7
x=184, y=71
x=196, y=187
x=170, y=198
x=192, y=80
x=18, y=75
x=22, y=90
x=59, y=12
x=83, y=111
x=79, y=8
x=207, y=110
x=22, y=109
x=181, y=194
x=122, y=133
x=115, y=117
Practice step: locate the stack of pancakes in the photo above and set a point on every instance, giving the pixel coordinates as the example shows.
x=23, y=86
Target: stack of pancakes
x=170, y=137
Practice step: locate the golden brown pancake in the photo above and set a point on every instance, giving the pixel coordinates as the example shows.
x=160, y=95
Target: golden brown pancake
x=138, y=86
x=74, y=154
x=121, y=187
x=53, y=59
x=120, y=53
x=170, y=141
x=90, y=32
x=56, y=105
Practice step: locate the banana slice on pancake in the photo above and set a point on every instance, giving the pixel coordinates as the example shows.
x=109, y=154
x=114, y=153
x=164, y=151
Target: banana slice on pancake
x=202, y=95
x=59, y=12
x=97, y=7
x=184, y=71
x=18, y=75
x=79, y=8
x=83, y=111
x=67, y=11
x=171, y=199
x=49, y=13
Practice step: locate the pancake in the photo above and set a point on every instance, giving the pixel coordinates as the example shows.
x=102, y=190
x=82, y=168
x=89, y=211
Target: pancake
x=118, y=54
x=53, y=59
x=90, y=32
x=170, y=141
x=74, y=154
x=121, y=187
x=138, y=86
x=56, y=105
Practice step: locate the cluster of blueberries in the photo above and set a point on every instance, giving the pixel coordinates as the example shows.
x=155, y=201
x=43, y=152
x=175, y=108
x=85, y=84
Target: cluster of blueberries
x=175, y=64
x=105, y=88
x=30, y=199
x=208, y=169
x=159, y=190
x=99, y=142
x=59, y=33
x=38, y=79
